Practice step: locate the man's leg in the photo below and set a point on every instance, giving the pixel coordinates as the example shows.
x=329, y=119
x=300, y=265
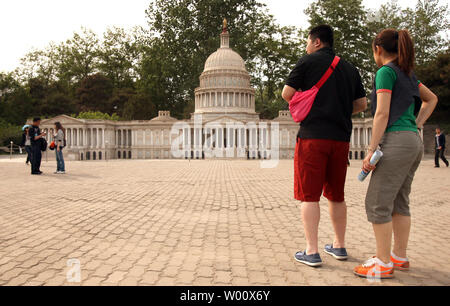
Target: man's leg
x=443, y=157
x=34, y=160
x=436, y=158
x=334, y=191
x=338, y=214
x=311, y=218
x=309, y=170
x=38, y=159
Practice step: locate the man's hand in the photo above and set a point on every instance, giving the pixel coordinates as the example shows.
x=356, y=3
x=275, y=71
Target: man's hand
x=367, y=167
x=288, y=93
x=440, y=148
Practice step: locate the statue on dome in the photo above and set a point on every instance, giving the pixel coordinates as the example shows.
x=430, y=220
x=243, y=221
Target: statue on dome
x=225, y=25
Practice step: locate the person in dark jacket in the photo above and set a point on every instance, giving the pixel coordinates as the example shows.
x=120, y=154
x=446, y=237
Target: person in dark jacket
x=36, y=145
x=26, y=143
x=440, y=148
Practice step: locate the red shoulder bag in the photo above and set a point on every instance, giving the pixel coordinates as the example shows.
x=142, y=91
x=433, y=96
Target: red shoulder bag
x=302, y=101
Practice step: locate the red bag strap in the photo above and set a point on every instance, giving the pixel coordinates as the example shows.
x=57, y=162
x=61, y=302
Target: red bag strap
x=329, y=72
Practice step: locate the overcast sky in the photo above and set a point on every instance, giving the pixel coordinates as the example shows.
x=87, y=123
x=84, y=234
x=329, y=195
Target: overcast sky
x=27, y=24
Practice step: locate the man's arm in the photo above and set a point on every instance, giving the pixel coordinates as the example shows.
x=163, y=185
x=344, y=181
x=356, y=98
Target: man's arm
x=359, y=105
x=288, y=93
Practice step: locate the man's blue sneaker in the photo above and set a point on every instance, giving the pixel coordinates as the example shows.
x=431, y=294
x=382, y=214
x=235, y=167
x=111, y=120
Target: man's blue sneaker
x=312, y=260
x=338, y=253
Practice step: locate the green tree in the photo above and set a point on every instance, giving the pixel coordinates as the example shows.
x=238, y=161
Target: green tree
x=117, y=55
x=139, y=107
x=94, y=94
x=436, y=76
x=426, y=23
x=349, y=21
x=389, y=15
x=79, y=57
x=97, y=115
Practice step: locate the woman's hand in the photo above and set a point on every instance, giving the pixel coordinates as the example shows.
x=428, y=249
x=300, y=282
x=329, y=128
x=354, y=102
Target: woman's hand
x=367, y=167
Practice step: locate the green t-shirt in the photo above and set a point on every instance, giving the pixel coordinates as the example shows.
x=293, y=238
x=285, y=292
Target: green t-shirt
x=385, y=81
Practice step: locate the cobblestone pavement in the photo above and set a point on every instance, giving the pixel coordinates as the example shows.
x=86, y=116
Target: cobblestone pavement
x=200, y=222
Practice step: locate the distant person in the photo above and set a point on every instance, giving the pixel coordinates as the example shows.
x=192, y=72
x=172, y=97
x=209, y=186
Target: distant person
x=59, y=143
x=440, y=148
x=323, y=142
x=26, y=143
x=396, y=98
x=35, y=138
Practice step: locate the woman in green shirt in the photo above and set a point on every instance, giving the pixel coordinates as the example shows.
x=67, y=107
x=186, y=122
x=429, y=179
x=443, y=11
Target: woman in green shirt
x=396, y=99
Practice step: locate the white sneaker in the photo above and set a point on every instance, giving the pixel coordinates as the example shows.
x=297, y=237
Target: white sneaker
x=62, y=172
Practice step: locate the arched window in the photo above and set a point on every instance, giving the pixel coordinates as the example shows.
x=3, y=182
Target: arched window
x=356, y=155
x=99, y=155
x=118, y=154
x=129, y=154
x=124, y=155
x=88, y=155
x=350, y=155
x=94, y=155
x=362, y=155
x=81, y=156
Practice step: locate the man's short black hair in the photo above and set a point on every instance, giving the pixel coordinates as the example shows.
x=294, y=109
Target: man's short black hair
x=324, y=33
x=36, y=119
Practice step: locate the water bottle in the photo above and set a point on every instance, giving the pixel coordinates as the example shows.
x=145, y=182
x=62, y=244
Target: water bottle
x=373, y=161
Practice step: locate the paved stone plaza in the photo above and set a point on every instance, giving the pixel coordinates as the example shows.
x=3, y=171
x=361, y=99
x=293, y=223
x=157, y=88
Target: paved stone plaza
x=200, y=222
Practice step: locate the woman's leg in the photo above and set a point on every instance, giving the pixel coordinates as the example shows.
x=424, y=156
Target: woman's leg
x=383, y=236
x=401, y=226
x=57, y=161
x=61, y=158
x=28, y=149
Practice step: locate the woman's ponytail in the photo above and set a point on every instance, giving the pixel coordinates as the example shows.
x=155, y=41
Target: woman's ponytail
x=400, y=43
x=406, y=52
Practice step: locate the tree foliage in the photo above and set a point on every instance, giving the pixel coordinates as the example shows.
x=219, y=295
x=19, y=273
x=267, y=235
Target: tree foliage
x=131, y=74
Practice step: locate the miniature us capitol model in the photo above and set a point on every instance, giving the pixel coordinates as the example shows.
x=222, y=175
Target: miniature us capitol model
x=224, y=124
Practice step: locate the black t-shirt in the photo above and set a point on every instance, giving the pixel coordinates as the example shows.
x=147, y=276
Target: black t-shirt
x=33, y=132
x=331, y=113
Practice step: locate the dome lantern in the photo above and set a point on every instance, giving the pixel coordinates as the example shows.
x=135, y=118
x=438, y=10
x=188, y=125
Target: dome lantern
x=225, y=82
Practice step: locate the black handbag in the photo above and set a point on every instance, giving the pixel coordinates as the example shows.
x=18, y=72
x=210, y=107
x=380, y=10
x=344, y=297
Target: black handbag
x=43, y=144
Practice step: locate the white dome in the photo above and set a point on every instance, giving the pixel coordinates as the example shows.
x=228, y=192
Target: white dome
x=224, y=58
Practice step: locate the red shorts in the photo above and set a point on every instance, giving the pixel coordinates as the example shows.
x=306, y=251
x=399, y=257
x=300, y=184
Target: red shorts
x=320, y=165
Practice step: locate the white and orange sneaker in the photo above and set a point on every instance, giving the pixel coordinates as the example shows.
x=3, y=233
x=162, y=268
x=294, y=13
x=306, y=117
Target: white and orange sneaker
x=375, y=269
x=400, y=263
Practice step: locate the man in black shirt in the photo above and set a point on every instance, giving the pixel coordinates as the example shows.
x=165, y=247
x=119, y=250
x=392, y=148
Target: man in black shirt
x=35, y=136
x=440, y=148
x=323, y=142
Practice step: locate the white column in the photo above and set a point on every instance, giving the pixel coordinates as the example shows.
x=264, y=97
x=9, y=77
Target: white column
x=72, y=134
x=97, y=134
x=103, y=138
x=216, y=136
x=357, y=137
